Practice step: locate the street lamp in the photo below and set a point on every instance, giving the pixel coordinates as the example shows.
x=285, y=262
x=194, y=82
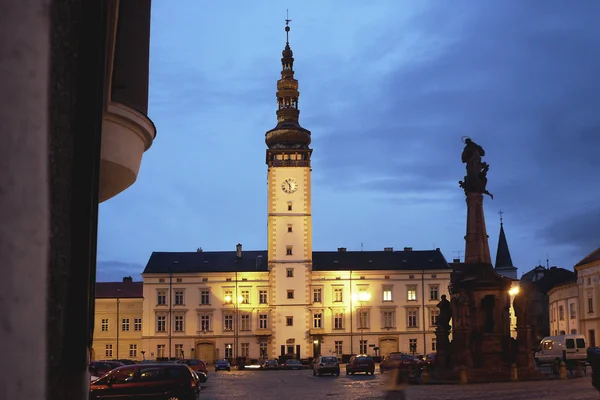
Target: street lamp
x=118, y=321
x=171, y=305
x=363, y=297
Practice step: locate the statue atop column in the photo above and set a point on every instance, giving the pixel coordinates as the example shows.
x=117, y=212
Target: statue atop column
x=476, y=179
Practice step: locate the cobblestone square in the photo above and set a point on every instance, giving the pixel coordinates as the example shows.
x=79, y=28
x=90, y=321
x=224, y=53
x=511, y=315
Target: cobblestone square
x=297, y=385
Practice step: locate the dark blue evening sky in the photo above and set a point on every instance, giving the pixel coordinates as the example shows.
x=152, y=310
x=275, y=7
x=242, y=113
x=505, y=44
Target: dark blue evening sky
x=388, y=88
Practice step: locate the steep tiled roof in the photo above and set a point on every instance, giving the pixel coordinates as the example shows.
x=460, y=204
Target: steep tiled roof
x=503, y=258
x=226, y=261
x=125, y=289
x=594, y=256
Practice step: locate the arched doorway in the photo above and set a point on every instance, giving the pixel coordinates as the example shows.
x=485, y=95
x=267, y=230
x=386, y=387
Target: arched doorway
x=205, y=351
x=387, y=346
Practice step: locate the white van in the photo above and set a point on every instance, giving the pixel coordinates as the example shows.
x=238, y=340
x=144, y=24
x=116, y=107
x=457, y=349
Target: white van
x=562, y=348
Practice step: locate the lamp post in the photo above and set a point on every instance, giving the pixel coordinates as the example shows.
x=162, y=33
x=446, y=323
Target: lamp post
x=171, y=305
x=118, y=321
x=362, y=298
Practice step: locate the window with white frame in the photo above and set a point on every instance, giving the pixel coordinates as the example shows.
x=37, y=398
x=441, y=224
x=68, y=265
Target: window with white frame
x=179, y=350
x=246, y=350
x=205, y=323
x=561, y=313
x=228, y=350
x=228, y=322
x=433, y=316
x=205, y=297
x=245, y=296
x=363, y=346
x=262, y=347
x=179, y=301
x=572, y=311
x=289, y=272
x=387, y=293
x=338, y=320
x=263, y=321
x=125, y=325
x=317, y=295
x=288, y=251
x=363, y=319
x=318, y=320
x=263, y=297
x=245, y=322
x=133, y=350
x=228, y=296
x=108, y=351
x=161, y=323
x=161, y=297
x=412, y=345
x=179, y=327
x=104, y=325
x=434, y=292
x=412, y=317
x=289, y=321
x=338, y=347
x=137, y=324
x=338, y=294
x=388, y=318
x=160, y=350
x=411, y=293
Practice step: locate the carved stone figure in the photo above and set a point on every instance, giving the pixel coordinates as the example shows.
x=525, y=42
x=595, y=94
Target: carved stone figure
x=443, y=322
x=461, y=302
x=521, y=307
x=476, y=179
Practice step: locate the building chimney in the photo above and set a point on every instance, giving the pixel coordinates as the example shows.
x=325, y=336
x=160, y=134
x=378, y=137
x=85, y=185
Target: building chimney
x=127, y=279
x=238, y=250
x=456, y=260
x=341, y=249
x=199, y=250
x=408, y=249
x=388, y=249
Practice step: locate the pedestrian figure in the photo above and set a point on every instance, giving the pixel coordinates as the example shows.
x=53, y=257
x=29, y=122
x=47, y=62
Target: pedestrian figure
x=398, y=385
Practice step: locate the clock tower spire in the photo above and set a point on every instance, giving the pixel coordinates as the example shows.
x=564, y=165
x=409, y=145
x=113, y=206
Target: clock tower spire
x=289, y=220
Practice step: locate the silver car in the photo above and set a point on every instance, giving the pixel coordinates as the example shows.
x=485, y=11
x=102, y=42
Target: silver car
x=326, y=365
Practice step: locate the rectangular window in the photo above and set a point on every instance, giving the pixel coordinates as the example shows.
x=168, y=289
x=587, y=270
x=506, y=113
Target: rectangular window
x=137, y=324
x=161, y=323
x=179, y=350
x=561, y=313
x=161, y=297
x=289, y=206
x=288, y=251
x=289, y=321
x=338, y=294
x=228, y=350
x=412, y=344
x=108, y=353
x=263, y=321
x=363, y=320
x=104, y=326
x=245, y=296
x=433, y=317
x=125, y=324
x=338, y=347
x=317, y=320
x=411, y=293
x=388, y=319
x=412, y=319
x=290, y=294
x=434, y=291
x=179, y=323
x=228, y=296
x=263, y=349
x=387, y=293
x=572, y=311
x=133, y=350
x=245, y=323
x=228, y=322
x=246, y=350
x=433, y=344
x=205, y=297
x=179, y=297
x=290, y=349
x=262, y=297
x=289, y=228
x=205, y=323
x=289, y=272
x=317, y=295
x=590, y=305
x=338, y=320
x=160, y=350
x=364, y=345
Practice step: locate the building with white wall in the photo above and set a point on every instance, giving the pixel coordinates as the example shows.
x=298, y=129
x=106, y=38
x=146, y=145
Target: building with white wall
x=564, y=309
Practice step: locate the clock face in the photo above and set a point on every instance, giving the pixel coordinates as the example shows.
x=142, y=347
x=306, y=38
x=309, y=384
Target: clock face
x=289, y=185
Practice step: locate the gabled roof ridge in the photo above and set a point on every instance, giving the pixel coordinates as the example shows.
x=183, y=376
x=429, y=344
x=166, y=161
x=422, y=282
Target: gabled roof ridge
x=593, y=256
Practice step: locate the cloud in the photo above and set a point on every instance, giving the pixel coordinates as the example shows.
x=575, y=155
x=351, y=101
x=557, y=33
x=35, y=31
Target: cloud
x=113, y=271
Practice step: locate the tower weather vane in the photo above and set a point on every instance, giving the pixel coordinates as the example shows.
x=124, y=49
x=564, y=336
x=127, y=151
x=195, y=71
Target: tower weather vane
x=287, y=27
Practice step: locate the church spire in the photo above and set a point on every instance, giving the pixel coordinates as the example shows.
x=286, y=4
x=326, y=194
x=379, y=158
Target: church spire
x=504, y=263
x=288, y=133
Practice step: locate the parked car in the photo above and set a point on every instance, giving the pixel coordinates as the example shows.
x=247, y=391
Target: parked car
x=270, y=364
x=567, y=348
x=159, y=380
x=292, y=364
x=360, y=363
x=326, y=365
x=222, y=365
x=99, y=368
x=196, y=365
x=398, y=360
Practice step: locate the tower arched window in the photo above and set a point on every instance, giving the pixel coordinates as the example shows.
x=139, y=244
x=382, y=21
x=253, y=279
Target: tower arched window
x=289, y=206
